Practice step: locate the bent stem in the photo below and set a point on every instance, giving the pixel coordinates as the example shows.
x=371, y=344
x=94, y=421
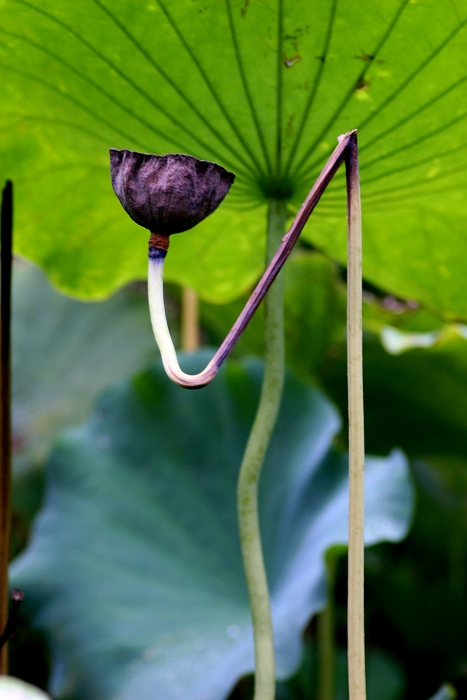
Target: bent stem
x=6, y=235
x=247, y=489
x=355, y=609
x=156, y=288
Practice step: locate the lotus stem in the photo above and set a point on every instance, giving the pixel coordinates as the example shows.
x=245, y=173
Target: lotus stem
x=248, y=481
x=161, y=329
x=355, y=609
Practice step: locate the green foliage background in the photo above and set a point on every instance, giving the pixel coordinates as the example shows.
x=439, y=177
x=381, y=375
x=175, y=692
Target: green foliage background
x=264, y=88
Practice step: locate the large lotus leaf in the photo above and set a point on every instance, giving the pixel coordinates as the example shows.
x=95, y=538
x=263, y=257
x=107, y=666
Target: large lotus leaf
x=262, y=88
x=65, y=352
x=134, y=568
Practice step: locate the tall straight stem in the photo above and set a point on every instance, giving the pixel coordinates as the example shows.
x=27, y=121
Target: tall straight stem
x=247, y=492
x=6, y=234
x=355, y=614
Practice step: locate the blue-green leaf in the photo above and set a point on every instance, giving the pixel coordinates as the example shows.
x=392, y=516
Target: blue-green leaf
x=64, y=353
x=134, y=569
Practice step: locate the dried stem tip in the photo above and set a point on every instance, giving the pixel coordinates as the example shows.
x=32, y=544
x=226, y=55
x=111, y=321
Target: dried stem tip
x=167, y=194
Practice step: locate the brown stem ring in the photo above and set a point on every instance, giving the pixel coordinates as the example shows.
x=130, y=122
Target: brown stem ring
x=159, y=241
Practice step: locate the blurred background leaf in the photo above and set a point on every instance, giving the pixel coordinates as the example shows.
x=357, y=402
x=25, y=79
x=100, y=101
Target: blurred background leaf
x=64, y=353
x=134, y=569
x=417, y=399
x=15, y=689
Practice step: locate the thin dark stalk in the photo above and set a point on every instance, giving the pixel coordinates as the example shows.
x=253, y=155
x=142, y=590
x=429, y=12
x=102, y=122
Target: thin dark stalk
x=17, y=598
x=6, y=236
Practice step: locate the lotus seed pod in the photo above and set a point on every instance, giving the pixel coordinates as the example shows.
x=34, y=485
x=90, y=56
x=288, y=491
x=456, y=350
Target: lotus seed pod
x=167, y=194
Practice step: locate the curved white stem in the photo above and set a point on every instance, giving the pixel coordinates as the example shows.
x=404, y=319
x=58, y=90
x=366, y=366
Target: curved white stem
x=162, y=333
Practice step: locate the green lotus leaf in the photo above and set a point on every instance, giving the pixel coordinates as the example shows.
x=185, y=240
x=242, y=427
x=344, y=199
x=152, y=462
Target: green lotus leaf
x=263, y=89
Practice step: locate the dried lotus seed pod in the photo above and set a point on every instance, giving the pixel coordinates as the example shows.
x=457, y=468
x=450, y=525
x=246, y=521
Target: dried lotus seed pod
x=167, y=194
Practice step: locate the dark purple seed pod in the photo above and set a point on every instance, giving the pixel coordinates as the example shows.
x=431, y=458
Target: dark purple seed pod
x=167, y=194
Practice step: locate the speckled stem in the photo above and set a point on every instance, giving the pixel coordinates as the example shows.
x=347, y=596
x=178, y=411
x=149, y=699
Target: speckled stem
x=247, y=490
x=355, y=610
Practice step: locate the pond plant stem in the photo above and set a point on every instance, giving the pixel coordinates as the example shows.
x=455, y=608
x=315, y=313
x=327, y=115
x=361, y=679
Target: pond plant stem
x=253, y=458
x=6, y=235
x=355, y=609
